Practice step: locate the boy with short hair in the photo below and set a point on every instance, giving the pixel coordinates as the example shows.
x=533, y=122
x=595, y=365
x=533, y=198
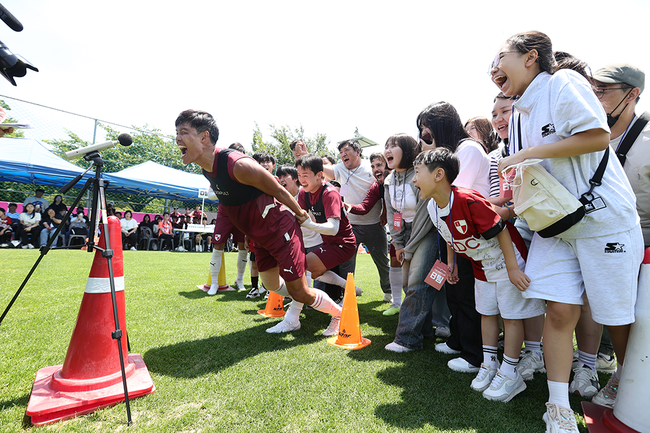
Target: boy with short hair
x=472, y=228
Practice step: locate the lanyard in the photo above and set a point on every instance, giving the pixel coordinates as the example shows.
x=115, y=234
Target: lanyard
x=451, y=232
x=625, y=133
x=352, y=173
x=401, y=201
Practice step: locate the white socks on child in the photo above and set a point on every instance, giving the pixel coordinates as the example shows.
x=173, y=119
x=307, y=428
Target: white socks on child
x=396, y=286
x=330, y=277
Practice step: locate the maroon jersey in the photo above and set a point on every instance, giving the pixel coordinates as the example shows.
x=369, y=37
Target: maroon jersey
x=326, y=203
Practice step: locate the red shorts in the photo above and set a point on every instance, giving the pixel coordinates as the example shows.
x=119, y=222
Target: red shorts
x=333, y=255
x=392, y=253
x=286, y=251
x=223, y=228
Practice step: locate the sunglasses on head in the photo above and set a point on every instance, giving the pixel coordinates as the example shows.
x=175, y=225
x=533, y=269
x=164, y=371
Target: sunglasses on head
x=427, y=138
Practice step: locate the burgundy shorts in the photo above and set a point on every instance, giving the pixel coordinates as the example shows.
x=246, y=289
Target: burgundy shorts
x=392, y=252
x=223, y=228
x=333, y=255
x=285, y=251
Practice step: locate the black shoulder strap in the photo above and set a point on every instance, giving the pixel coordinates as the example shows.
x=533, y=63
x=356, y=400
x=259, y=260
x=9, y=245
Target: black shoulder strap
x=598, y=175
x=631, y=136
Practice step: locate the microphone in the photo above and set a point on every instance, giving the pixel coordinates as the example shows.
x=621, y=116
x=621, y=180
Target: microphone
x=10, y=20
x=124, y=139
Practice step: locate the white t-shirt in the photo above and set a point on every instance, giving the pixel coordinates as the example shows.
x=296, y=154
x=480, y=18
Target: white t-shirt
x=474, y=168
x=555, y=107
x=403, y=200
x=128, y=225
x=358, y=181
x=27, y=219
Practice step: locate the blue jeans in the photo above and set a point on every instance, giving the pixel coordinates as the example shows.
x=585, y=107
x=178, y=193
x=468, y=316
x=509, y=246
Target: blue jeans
x=417, y=315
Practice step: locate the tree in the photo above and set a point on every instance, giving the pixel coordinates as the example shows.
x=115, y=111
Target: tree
x=17, y=132
x=148, y=145
x=282, y=136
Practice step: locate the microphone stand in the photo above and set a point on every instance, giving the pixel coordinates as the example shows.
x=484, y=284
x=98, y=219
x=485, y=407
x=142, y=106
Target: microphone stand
x=98, y=207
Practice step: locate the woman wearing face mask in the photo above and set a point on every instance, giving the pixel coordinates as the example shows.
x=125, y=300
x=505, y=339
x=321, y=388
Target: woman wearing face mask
x=413, y=236
x=561, y=121
x=440, y=126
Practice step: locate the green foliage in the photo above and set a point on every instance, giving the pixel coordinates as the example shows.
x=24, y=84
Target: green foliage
x=17, y=132
x=282, y=136
x=148, y=145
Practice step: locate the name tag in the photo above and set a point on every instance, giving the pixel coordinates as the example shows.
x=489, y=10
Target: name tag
x=437, y=275
x=505, y=185
x=397, y=221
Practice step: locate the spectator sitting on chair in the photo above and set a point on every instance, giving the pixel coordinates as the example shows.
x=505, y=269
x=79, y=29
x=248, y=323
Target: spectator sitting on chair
x=49, y=224
x=58, y=205
x=79, y=224
x=30, y=221
x=201, y=237
x=146, y=222
x=129, y=231
x=6, y=232
x=165, y=232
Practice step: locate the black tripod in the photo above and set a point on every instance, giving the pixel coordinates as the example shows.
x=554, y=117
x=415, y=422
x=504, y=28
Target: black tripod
x=98, y=208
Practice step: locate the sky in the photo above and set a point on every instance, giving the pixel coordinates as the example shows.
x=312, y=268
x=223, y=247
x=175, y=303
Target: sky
x=330, y=66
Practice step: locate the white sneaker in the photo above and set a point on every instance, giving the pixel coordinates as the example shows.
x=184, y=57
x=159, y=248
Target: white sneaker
x=240, y=286
x=134, y=249
x=559, y=419
x=607, y=395
x=358, y=291
x=462, y=366
x=585, y=382
x=388, y=298
x=529, y=364
x=30, y=246
x=503, y=388
x=284, y=326
x=333, y=328
x=214, y=288
x=443, y=348
x=606, y=364
x=394, y=347
x=484, y=378
x=443, y=332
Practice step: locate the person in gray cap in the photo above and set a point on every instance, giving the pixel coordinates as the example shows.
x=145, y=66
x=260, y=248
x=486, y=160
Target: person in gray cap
x=618, y=87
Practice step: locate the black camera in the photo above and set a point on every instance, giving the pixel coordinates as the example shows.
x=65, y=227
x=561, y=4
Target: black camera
x=12, y=65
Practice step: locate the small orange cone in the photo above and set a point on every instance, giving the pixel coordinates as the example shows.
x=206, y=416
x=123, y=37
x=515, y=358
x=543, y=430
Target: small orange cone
x=223, y=286
x=91, y=377
x=349, y=336
x=274, y=307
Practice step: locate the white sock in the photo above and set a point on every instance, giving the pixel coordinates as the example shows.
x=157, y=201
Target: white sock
x=330, y=277
x=533, y=346
x=242, y=259
x=293, y=312
x=490, y=356
x=619, y=370
x=395, y=278
x=587, y=359
x=324, y=304
x=308, y=277
x=558, y=393
x=215, y=267
x=509, y=366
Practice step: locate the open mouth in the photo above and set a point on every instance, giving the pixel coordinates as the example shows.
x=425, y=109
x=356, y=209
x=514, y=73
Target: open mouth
x=499, y=80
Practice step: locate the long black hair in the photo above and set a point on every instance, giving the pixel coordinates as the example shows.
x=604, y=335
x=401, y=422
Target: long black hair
x=442, y=119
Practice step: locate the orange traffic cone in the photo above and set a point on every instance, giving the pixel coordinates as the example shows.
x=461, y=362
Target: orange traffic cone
x=223, y=286
x=91, y=376
x=274, y=306
x=349, y=336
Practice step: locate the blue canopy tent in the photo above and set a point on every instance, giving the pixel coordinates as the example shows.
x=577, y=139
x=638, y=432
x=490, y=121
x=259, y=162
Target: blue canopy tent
x=29, y=161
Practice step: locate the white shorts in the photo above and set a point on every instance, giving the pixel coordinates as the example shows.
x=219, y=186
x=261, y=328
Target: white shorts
x=502, y=297
x=605, y=267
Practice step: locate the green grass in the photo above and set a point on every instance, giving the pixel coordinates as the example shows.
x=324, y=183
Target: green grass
x=216, y=370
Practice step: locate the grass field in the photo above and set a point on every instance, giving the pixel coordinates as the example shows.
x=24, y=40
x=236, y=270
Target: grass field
x=216, y=370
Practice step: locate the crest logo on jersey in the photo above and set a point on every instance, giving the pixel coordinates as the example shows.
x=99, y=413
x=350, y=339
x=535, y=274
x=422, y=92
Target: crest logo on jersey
x=461, y=226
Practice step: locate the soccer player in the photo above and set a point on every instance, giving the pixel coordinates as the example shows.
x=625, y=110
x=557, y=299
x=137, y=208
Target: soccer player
x=251, y=198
